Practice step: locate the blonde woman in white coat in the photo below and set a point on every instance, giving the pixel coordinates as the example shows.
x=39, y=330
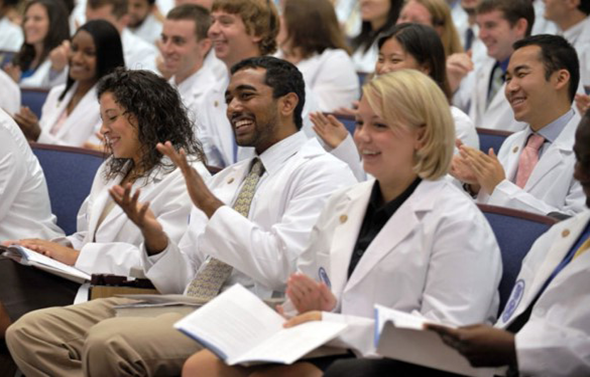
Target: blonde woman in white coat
x=406, y=46
x=71, y=115
x=408, y=240
x=139, y=110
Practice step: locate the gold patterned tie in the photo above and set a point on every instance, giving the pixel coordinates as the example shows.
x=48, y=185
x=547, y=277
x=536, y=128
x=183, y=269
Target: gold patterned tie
x=210, y=278
x=582, y=249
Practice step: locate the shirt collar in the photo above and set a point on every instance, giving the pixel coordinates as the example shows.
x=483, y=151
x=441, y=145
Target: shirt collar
x=389, y=208
x=277, y=154
x=551, y=131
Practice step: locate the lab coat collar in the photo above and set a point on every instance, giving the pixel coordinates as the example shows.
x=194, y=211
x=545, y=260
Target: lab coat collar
x=397, y=228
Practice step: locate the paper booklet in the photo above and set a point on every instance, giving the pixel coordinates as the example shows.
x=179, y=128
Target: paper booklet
x=241, y=329
x=28, y=257
x=401, y=336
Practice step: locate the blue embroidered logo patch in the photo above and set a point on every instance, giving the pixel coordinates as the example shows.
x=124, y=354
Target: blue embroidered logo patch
x=513, y=301
x=323, y=276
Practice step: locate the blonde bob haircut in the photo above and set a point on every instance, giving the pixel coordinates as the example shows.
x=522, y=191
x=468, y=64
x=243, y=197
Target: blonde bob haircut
x=410, y=98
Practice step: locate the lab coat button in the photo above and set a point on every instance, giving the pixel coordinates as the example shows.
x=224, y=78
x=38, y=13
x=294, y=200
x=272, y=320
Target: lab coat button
x=565, y=233
x=230, y=181
x=343, y=219
x=515, y=149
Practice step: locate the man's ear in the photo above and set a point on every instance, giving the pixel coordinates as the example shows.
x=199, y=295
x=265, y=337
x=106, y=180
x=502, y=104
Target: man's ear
x=521, y=25
x=287, y=104
x=205, y=45
x=562, y=78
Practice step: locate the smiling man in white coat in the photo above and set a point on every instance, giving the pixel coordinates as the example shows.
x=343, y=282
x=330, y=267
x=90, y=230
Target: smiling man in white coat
x=533, y=169
x=184, y=44
x=501, y=23
x=289, y=180
x=545, y=327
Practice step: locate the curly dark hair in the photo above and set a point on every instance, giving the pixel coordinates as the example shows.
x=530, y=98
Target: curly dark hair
x=59, y=31
x=160, y=114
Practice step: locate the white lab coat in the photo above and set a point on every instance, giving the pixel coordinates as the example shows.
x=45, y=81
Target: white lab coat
x=472, y=98
x=42, y=78
x=138, y=53
x=347, y=152
x=193, y=88
x=579, y=36
x=300, y=176
x=9, y=95
x=551, y=186
x=81, y=124
x=436, y=256
x=332, y=78
x=25, y=210
x=113, y=246
x=11, y=35
x=556, y=339
x=150, y=30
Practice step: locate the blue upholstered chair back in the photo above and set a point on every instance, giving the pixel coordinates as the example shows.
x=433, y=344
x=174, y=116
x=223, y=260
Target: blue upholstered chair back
x=491, y=139
x=348, y=120
x=34, y=99
x=69, y=173
x=516, y=231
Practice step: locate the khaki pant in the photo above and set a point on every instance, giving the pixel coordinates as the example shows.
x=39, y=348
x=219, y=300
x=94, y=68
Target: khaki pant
x=88, y=340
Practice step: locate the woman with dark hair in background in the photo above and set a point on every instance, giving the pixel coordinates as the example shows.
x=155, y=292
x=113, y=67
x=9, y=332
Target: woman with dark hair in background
x=139, y=109
x=45, y=27
x=406, y=46
x=71, y=114
x=377, y=16
x=311, y=38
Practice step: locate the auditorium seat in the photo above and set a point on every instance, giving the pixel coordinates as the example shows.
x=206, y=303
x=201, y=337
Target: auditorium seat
x=34, y=99
x=516, y=231
x=491, y=139
x=69, y=173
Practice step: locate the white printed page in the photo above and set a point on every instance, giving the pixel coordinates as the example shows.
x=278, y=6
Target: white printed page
x=233, y=323
x=289, y=345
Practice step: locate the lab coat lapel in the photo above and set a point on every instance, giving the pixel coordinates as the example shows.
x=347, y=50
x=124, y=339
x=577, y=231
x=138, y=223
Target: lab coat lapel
x=80, y=111
x=399, y=226
x=555, y=154
x=60, y=107
x=98, y=206
x=346, y=234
